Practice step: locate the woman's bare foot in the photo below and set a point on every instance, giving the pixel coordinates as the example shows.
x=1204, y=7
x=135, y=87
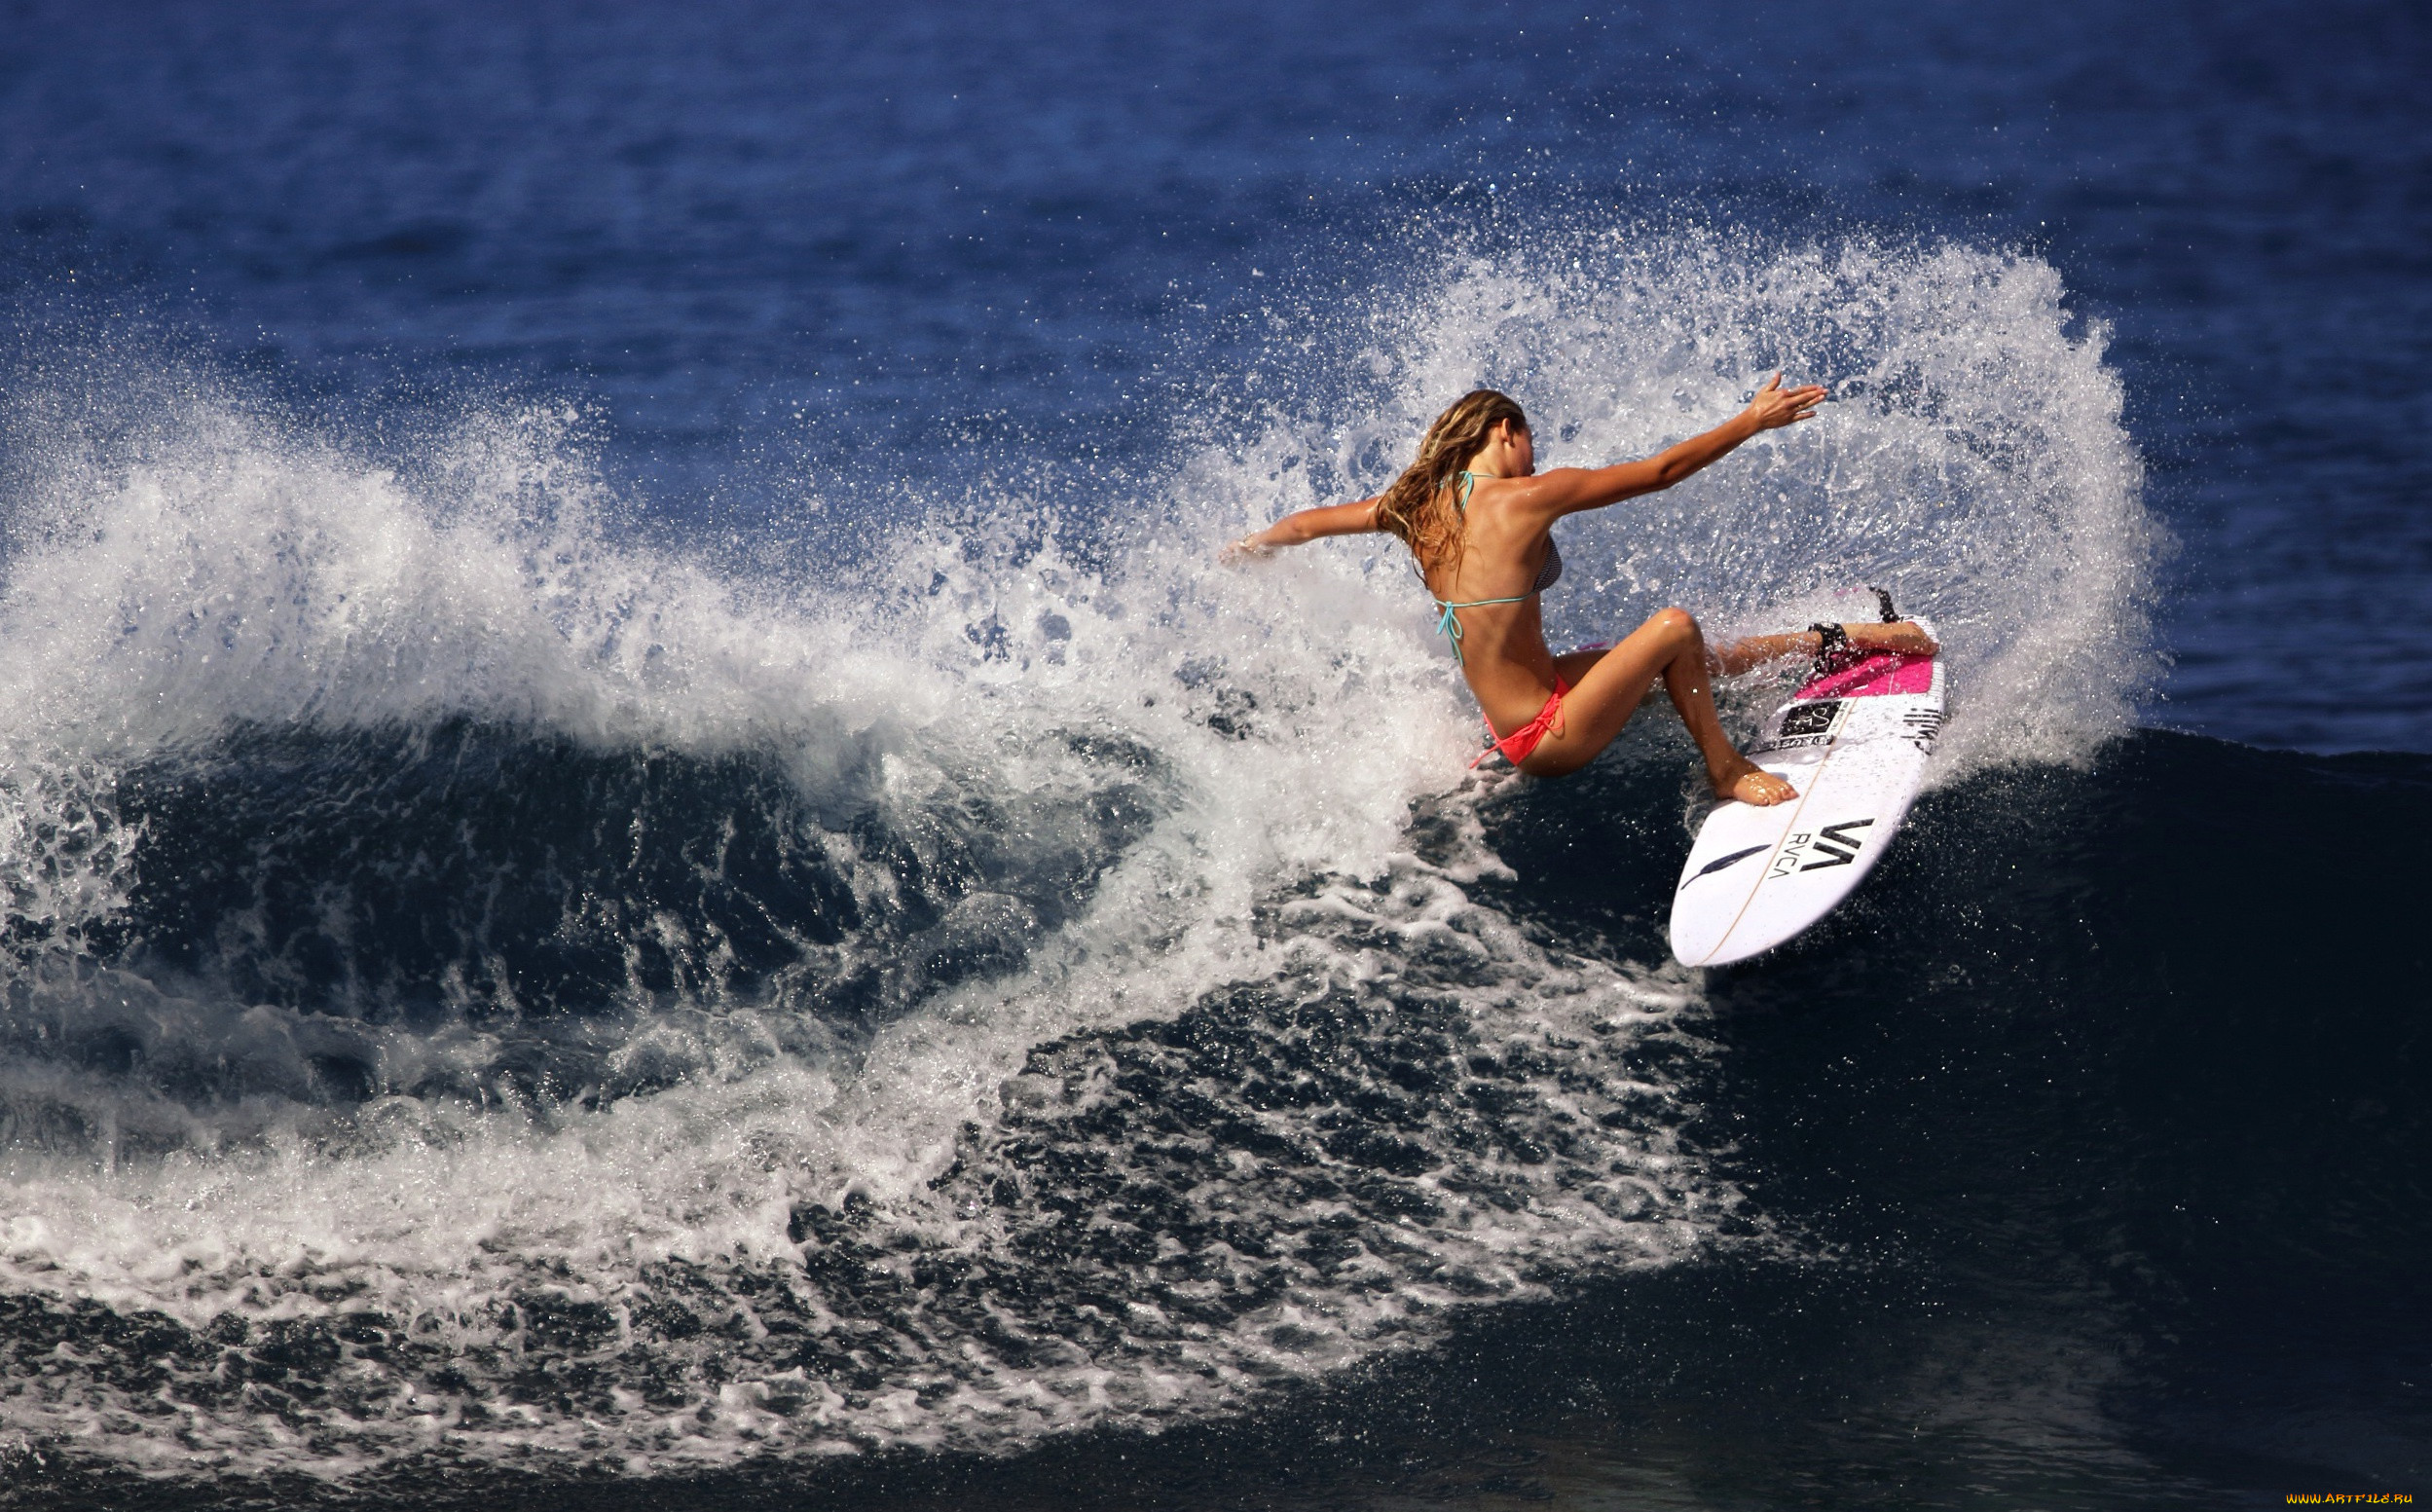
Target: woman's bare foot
x=1751, y=785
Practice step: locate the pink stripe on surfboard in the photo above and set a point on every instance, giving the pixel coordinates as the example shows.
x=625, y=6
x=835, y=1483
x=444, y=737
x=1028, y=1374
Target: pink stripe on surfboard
x=1884, y=671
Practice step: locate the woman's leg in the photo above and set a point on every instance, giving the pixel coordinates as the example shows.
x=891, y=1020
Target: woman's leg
x=1573, y=665
x=1669, y=645
x=1733, y=657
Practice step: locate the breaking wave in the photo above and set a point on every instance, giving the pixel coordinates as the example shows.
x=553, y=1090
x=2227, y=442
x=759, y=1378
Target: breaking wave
x=481, y=981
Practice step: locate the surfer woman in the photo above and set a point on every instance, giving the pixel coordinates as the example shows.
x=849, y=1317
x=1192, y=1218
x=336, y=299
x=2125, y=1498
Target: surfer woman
x=1479, y=517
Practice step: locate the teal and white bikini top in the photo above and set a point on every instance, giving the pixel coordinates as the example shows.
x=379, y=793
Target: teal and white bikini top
x=1547, y=576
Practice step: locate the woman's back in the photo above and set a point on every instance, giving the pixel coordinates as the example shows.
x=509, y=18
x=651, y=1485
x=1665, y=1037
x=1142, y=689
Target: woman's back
x=1487, y=589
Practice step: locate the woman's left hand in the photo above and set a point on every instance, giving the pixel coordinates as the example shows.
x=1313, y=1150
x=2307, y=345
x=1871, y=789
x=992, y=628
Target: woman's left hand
x=1775, y=406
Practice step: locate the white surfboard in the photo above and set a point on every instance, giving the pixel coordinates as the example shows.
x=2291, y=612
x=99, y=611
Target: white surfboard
x=1855, y=743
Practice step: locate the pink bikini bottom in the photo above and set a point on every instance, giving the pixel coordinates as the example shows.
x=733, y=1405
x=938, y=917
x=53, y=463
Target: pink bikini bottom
x=1517, y=745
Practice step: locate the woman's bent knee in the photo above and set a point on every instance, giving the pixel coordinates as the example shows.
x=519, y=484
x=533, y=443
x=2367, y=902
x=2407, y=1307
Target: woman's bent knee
x=1673, y=624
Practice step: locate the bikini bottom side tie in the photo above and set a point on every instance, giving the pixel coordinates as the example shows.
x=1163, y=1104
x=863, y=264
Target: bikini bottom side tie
x=1517, y=745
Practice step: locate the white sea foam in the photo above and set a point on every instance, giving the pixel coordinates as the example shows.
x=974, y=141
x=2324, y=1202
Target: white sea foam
x=1973, y=460
x=1282, y=721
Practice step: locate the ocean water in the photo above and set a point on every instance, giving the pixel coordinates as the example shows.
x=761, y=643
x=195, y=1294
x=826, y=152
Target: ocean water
x=644, y=860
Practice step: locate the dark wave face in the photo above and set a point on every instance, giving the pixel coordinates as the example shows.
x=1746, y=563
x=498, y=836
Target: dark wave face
x=393, y=957
x=475, y=878
x=1987, y=1129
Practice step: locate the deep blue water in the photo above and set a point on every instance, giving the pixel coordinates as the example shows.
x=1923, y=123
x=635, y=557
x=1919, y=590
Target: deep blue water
x=639, y=859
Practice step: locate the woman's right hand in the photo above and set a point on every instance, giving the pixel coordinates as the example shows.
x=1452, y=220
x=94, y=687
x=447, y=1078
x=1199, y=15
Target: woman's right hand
x=1303, y=525
x=1775, y=406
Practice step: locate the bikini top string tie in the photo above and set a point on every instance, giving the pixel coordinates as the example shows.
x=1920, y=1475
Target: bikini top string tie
x=1448, y=623
x=1449, y=626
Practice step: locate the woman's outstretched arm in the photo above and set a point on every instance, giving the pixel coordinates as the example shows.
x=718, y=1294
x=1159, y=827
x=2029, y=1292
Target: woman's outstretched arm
x=1568, y=490
x=1305, y=525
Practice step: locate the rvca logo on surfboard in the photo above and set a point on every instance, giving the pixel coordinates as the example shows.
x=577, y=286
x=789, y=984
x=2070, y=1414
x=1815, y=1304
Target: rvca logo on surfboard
x=1813, y=850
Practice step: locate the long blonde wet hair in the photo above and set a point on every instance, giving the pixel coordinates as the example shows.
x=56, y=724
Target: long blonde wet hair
x=1419, y=509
